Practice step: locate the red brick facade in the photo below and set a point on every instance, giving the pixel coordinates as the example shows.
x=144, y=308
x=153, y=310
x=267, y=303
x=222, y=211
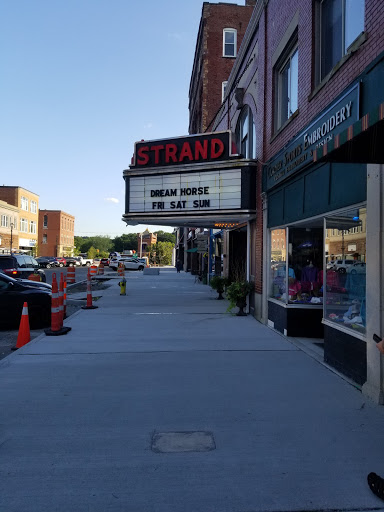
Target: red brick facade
x=210, y=68
x=56, y=230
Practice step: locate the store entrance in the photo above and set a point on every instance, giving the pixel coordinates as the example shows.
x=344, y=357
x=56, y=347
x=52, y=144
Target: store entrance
x=238, y=254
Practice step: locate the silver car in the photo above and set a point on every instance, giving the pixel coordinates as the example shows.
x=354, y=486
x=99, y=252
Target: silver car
x=129, y=264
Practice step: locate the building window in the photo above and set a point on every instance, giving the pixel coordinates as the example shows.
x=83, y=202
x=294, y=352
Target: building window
x=24, y=225
x=4, y=221
x=33, y=206
x=45, y=239
x=45, y=221
x=24, y=203
x=32, y=227
x=229, y=42
x=223, y=90
x=341, y=22
x=287, y=81
x=246, y=134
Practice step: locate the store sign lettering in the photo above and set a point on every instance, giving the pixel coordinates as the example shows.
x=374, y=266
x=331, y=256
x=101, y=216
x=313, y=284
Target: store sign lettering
x=300, y=152
x=178, y=205
x=182, y=150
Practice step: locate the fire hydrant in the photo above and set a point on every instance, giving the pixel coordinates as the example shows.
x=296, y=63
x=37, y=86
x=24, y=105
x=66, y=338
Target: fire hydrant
x=123, y=286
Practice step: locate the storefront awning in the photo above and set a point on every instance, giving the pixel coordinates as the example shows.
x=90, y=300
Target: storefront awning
x=361, y=142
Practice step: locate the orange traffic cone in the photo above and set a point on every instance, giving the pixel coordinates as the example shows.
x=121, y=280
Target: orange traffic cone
x=57, y=328
x=89, y=293
x=24, y=335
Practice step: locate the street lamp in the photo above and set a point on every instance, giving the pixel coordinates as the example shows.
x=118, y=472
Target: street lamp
x=11, y=235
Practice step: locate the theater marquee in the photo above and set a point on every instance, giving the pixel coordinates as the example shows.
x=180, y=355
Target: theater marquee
x=189, y=181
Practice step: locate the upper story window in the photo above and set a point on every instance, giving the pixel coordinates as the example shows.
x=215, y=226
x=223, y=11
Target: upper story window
x=4, y=221
x=24, y=225
x=341, y=22
x=33, y=206
x=45, y=221
x=246, y=134
x=24, y=203
x=287, y=85
x=223, y=90
x=45, y=239
x=32, y=227
x=229, y=42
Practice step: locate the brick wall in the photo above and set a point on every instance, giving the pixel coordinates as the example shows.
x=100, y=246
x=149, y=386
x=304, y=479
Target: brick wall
x=206, y=88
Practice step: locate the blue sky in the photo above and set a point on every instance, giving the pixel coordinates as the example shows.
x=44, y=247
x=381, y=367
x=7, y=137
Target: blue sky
x=82, y=80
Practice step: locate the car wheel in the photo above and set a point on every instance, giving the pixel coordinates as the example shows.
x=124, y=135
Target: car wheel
x=141, y=268
x=48, y=265
x=342, y=270
x=71, y=265
x=61, y=264
x=87, y=264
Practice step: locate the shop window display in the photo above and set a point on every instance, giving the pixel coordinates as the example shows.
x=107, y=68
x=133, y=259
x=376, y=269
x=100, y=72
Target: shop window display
x=346, y=270
x=278, y=264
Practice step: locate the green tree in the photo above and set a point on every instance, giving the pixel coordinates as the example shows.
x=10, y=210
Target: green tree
x=125, y=242
x=163, y=236
x=92, y=252
x=164, y=252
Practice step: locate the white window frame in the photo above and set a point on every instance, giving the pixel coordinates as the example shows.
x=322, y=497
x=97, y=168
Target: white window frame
x=346, y=7
x=32, y=227
x=223, y=89
x=246, y=139
x=234, y=32
x=292, y=104
x=24, y=203
x=24, y=225
x=45, y=239
x=33, y=206
x=4, y=221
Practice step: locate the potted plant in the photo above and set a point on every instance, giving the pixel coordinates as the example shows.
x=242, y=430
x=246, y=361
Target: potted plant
x=219, y=283
x=237, y=294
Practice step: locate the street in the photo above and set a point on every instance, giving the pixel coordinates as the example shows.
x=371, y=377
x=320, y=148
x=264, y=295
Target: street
x=161, y=401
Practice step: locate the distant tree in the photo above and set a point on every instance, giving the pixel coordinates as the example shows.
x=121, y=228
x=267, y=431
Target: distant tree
x=79, y=240
x=92, y=252
x=103, y=243
x=151, y=252
x=164, y=252
x=125, y=242
x=163, y=236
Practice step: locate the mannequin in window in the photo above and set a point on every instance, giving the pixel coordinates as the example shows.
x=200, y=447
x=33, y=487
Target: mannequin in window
x=309, y=278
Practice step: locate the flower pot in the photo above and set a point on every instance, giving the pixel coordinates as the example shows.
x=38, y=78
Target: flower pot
x=241, y=304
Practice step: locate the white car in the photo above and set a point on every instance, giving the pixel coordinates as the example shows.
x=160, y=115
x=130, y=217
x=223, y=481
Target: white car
x=343, y=265
x=359, y=267
x=129, y=264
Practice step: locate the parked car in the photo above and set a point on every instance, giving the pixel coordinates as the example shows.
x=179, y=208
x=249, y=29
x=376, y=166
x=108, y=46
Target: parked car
x=129, y=264
x=105, y=261
x=72, y=262
x=61, y=262
x=20, y=265
x=85, y=261
x=342, y=265
x=144, y=261
x=96, y=261
x=13, y=294
x=47, y=261
x=359, y=267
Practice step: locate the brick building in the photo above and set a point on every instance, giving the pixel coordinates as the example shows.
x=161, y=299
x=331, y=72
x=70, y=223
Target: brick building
x=57, y=230
x=27, y=204
x=9, y=227
x=221, y=31
x=143, y=240
x=305, y=99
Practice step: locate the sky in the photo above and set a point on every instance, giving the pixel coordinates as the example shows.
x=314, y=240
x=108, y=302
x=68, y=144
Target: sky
x=81, y=81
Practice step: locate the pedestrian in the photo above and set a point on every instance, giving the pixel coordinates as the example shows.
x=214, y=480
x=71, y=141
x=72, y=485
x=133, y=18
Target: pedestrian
x=179, y=266
x=375, y=482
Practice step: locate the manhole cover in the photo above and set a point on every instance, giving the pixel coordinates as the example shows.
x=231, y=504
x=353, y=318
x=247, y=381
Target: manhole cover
x=174, y=442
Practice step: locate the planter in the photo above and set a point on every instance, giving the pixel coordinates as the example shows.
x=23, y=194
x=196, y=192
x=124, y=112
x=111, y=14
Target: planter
x=241, y=304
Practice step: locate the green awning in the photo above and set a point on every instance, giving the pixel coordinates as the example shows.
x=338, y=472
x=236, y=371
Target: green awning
x=194, y=249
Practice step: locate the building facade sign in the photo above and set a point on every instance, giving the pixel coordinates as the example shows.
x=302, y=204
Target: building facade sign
x=211, y=147
x=27, y=242
x=299, y=153
x=216, y=190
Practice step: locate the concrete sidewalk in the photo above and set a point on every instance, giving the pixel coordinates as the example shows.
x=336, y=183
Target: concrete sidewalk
x=96, y=420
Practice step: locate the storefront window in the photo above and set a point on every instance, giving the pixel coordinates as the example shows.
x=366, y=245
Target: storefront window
x=346, y=270
x=278, y=265
x=305, y=258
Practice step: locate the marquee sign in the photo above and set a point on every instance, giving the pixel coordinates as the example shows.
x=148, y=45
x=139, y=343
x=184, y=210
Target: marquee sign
x=216, y=190
x=211, y=147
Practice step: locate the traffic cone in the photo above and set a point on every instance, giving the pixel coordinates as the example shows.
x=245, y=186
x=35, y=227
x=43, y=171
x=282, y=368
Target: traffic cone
x=100, y=270
x=57, y=328
x=65, y=298
x=89, y=293
x=24, y=335
x=61, y=300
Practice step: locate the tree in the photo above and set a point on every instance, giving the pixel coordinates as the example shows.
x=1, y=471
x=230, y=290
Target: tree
x=164, y=252
x=125, y=242
x=102, y=243
x=163, y=236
